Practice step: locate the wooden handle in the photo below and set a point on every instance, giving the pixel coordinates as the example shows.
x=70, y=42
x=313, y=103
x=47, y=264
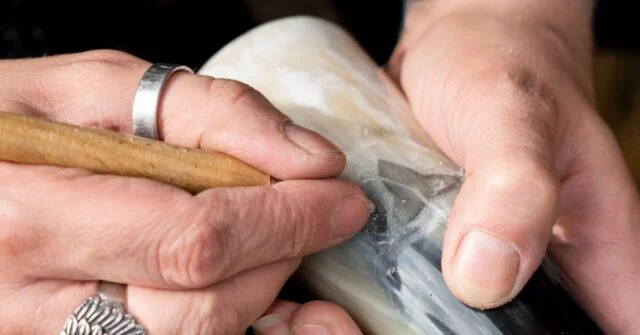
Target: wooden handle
x=31, y=140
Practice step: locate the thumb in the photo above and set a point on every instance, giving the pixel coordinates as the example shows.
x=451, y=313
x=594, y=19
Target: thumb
x=502, y=130
x=499, y=230
x=502, y=219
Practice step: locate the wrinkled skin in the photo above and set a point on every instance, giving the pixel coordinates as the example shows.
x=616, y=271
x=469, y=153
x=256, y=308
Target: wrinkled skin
x=503, y=87
x=194, y=264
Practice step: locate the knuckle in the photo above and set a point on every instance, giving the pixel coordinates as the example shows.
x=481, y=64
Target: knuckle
x=232, y=100
x=544, y=185
x=17, y=237
x=230, y=92
x=527, y=182
x=195, y=258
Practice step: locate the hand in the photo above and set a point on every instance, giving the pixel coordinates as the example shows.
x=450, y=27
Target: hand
x=505, y=89
x=194, y=264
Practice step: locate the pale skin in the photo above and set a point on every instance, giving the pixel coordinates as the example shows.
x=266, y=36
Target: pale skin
x=194, y=264
x=503, y=87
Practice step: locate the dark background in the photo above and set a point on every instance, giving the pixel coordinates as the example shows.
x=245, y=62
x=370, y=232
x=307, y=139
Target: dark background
x=191, y=31
x=173, y=30
x=179, y=31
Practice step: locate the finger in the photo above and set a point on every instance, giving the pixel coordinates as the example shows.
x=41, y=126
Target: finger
x=141, y=232
x=291, y=219
x=226, y=308
x=498, y=232
x=319, y=317
x=502, y=128
x=596, y=241
x=503, y=217
x=96, y=89
x=40, y=307
x=276, y=320
x=316, y=317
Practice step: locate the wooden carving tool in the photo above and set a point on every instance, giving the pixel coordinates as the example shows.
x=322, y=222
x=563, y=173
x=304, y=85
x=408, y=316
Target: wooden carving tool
x=32, y=140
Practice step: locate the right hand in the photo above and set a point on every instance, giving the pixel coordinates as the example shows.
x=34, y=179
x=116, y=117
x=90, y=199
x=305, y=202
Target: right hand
x=194, y=264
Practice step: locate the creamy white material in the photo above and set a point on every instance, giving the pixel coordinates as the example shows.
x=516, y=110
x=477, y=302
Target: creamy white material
x=388, y=277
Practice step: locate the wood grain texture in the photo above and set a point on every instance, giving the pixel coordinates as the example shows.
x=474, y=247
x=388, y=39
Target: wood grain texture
x=31, y=140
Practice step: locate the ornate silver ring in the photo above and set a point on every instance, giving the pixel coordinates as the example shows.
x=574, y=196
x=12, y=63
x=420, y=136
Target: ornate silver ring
x=103, y=314
x=147, y=98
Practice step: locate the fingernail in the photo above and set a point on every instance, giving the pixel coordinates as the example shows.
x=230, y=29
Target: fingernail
x=271, y=323
x=485, y=268
x=308, y=140
x=350, y=215
x=311, y=330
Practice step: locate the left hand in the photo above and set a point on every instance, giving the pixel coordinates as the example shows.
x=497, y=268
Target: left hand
x=505, y=90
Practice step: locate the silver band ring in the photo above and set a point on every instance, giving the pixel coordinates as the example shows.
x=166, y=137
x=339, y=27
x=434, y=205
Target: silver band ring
x=147, y=98
x=103, y=314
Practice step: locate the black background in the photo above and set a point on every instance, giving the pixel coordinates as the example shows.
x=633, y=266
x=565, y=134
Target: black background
x=173, y=30
x=190, y=31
